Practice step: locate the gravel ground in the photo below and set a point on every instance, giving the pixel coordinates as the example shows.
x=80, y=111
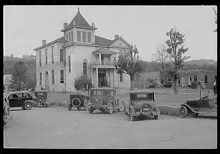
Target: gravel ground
x=57, y=128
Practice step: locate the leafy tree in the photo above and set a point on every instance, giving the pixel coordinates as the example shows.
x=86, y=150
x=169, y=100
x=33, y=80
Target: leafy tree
x=161, y=56
x=82, y=82
x=176, y=50
x=129, y=63
x=215, y=18
x=19, y=76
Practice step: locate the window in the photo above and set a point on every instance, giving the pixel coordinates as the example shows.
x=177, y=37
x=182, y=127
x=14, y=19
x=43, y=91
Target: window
x=121, y=77
x=84, y=36
x=69, y=64
x=40, y=79
x=190, y=78
x=46, y=56
x=89, y=36
x=40, y=58
x=61, y=76
x=98, y=92
x=69, y=38
x=85, y=67
x=72, y=35
x=52, y=54
x=206, y=79
x=52, y=76
x=195, y=78
x=61, y=54
x=78, y=36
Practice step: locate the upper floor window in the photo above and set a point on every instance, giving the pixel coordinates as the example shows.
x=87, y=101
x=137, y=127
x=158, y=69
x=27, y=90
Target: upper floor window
x=78, y=36
x=195, y=78
x=52, y=54
x=40, y=79
x=85, y=67
x=89, y=36
x=69, y=64
x=52, y=76
x=40, y=58
x=83, y=36
x=61, y=54
x=72, y=35
x=61, y=76
x=46, y=56
x=206, y=79
x=67, y=37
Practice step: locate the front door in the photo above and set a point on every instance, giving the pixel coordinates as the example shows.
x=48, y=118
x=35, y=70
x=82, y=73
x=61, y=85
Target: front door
x=14, y=100
x=102, y=78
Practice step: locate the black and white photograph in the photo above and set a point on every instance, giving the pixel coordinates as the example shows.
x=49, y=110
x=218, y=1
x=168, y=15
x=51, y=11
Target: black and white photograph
x=109, y=77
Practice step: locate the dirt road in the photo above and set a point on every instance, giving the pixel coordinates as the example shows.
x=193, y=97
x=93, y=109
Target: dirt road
x=58, y=128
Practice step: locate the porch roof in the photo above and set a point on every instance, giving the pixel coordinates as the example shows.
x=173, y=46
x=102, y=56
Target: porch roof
x=104, y=51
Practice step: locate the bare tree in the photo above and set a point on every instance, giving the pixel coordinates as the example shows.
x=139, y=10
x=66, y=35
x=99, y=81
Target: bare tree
x=161, y=56
x=176, y=50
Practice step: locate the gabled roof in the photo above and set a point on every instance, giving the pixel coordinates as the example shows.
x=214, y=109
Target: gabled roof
x=123, y=40
x=61, y=39
x=102, y=41
x=78, y=21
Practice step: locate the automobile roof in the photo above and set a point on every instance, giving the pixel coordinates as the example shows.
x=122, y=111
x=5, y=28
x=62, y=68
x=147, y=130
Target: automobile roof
x=141, y=92
x=18, y=92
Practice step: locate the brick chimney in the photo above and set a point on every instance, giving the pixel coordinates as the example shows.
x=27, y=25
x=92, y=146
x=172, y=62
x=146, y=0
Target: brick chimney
x=116, y=36
x=65, y=25
x=43, y=42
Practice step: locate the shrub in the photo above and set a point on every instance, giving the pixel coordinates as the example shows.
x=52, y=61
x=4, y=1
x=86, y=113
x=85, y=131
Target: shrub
x=83, y=81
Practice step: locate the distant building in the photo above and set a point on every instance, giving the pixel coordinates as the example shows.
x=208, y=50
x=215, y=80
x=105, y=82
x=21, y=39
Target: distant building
x=207, y=76
x=79, y=51
x=7, y=82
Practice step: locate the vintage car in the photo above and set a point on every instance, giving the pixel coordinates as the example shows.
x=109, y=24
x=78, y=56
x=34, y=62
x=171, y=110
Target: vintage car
x=198, y=106
x=141, y=103
x=22, y=99
x=41, y=96
x=77, y=101
x=104, y=99
x=6, y=111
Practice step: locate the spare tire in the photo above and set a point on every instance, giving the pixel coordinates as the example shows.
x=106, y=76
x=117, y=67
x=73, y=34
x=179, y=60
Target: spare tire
x=76, y=102
x=146, y=109
x=40, y=100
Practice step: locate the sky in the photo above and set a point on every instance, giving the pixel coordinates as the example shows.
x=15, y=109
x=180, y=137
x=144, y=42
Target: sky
x=144, y=26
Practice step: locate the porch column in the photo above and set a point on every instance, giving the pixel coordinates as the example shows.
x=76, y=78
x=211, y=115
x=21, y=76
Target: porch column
x=97, y=79
x=100, y=62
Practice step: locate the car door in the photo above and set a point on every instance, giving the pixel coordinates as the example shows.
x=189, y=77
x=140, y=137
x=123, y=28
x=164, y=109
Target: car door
x=13, y=100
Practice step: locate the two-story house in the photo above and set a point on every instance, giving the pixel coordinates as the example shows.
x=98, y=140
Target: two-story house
x=79, y=51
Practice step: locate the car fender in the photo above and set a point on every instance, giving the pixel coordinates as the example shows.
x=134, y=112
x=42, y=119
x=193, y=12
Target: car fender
x=188, y=108
x=32, y=102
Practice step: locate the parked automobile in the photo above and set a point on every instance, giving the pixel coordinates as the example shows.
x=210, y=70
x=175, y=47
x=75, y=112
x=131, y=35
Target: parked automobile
x=197, y=106
x=41, y=96
x=6, y=111
x=141, y=103
x=104, y=99
x=77, y=101
x=22, y=99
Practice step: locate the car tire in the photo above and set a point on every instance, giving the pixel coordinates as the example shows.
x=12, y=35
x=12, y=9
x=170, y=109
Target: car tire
x=27, y=106
x=110, y=108
x=76, y=99
x=183, y=112
x=90, y=111
x=156, y=117
x=121, y=107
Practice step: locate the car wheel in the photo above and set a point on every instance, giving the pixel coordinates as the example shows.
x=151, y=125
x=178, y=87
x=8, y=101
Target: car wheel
x=183, y=112
x=27, y=106
x=121, y=107
x=110, y=108
x=90, y=111
x=156, y=117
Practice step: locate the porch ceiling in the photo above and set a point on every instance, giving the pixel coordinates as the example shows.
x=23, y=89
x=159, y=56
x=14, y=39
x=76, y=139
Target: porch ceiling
x=104, y=51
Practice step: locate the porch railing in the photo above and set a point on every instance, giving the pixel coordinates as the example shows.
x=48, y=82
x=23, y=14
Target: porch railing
x=103, y=62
